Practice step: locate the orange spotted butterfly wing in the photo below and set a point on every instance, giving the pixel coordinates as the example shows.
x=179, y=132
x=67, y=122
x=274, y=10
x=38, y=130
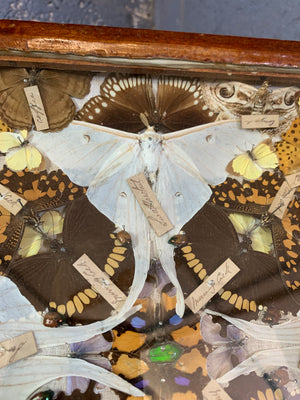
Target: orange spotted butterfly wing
x=49, y=279
x=211, y=240
x=178, y=104
x=159, y=352
x=255, y=197
x=288, y=149
x=42, y=191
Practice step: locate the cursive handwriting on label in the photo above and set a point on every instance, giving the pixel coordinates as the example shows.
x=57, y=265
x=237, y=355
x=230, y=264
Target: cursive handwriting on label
x=10, y=200
x=17, y=348
x=149, y=204
x=293, y=180
x=203, y=293
x=36, y=107
x=100, y=282
x=213, y=391
x=260, y=121
x=282, y=199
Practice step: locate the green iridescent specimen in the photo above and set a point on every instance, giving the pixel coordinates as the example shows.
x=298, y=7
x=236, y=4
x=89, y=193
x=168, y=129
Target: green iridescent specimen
x=47, y=395
x=165, y=353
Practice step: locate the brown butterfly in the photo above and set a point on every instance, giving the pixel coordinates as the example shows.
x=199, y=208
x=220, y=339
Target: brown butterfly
x=211, y=239
x=42, y=191
x=49, y=280
x=254, y=387
x=178, y=104
x=55, y=88
x=255, y=198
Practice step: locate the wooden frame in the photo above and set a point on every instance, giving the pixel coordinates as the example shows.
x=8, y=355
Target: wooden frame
x=24, y=43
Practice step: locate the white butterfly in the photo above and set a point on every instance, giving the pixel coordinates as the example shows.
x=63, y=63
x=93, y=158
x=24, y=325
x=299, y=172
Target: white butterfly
x=179, y=165
x=20, y=379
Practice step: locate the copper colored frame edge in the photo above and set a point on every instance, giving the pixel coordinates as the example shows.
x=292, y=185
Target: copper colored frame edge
x=82, y=47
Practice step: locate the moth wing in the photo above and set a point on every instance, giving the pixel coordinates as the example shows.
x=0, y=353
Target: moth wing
x=89, y=148
x=42, y=369
x=209, y=148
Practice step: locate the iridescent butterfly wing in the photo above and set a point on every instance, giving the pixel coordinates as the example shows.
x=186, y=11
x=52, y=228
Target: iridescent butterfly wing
x=166, y=353
x=50, y=280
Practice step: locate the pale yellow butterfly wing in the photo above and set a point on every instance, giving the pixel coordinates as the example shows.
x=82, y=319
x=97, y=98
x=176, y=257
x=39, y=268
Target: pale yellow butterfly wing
x=243, y=165
x=8, y=141
x=33, y=157
x=17, y=161
x=31, y=242
x=52, y=223
x=242, y=223
x=264, y=155
x=262, y=240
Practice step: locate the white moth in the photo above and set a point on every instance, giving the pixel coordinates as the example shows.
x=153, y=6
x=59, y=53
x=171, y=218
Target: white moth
x=179, y=166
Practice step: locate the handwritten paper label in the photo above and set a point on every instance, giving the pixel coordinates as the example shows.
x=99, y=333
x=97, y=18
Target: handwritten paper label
x=293, y=180
x=200, y=296
x=149, y=204
x=282, y=200
x=100, y=282
x=36, y=107
x=17, y=348
x=213, y=391
x=10, y=200
x=260, y=121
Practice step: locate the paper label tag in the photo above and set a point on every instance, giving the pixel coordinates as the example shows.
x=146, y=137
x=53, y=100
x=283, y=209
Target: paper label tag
x=36, y=107
x=213, y=391
x=15, y=349
x=260, y=121
x=200, y=296
x=10, y=200
x=282, y=199
x=293, y=180
x=147, y=200
x=100, y=282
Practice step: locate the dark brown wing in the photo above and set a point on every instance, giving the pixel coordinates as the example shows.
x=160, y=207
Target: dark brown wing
x=123, y=98
x=43, y=191
x=255, y=198
x=78, y=395
x=180, y=104
x=50, y=280
x=213, y=240
x=253, y=387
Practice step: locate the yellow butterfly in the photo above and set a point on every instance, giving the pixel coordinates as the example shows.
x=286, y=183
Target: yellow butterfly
x=261, y=237
x=21, y=154
x=50, y=224
x=288, y=149
x=252, y=164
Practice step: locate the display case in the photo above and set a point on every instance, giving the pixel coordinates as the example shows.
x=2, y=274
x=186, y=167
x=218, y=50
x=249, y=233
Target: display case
x=149, y=215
